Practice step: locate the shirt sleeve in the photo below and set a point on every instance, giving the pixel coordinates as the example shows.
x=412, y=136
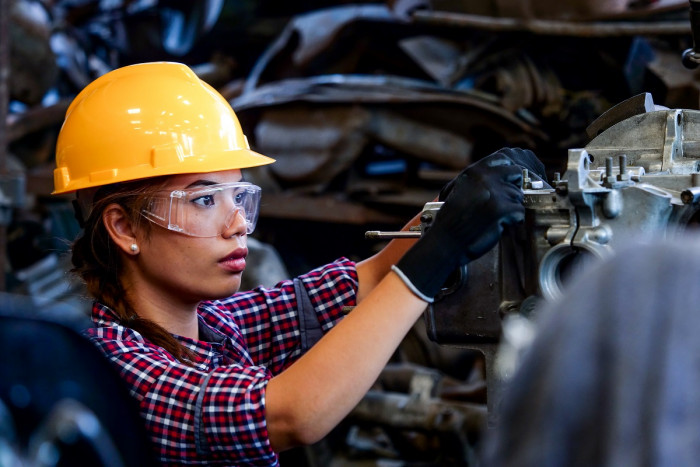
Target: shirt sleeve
x=196, y=416
x=269, y=319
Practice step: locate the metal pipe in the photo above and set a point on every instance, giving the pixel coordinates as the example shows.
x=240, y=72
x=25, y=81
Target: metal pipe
x=552, y=27
x=378, y=235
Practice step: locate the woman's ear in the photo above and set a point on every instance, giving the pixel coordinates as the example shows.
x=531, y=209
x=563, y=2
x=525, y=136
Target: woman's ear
x=120, y=228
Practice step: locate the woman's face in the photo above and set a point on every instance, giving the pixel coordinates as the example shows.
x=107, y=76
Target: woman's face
x=192, y=268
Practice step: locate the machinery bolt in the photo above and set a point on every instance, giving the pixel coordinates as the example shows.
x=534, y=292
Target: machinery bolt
x=609, y=177
x=623, y=176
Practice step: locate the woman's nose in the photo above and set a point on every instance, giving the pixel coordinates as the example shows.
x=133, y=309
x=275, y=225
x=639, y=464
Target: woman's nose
x=235, y=224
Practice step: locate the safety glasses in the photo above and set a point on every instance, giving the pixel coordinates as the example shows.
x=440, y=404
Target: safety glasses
x=205, y=211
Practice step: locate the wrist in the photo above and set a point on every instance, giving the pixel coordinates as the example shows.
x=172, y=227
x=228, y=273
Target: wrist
x=411, y=286
x=425, y=267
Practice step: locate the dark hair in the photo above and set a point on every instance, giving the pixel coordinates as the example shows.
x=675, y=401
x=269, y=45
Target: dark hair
x=97, y=261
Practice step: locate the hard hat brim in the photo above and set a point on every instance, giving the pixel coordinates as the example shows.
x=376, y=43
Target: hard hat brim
x=239, y=159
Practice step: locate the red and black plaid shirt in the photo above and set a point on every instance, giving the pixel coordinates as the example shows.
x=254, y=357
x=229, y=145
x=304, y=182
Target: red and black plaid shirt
x=213, y=413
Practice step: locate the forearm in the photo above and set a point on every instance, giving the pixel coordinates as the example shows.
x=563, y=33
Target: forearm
x=313, y=395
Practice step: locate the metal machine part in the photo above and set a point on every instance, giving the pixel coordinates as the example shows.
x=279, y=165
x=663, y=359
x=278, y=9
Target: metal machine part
x=639, y=177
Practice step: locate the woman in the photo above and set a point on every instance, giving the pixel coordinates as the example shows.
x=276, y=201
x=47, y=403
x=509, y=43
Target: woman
x=155, y=157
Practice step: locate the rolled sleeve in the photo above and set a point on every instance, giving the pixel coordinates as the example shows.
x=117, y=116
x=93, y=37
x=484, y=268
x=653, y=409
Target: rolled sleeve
x=231, y=418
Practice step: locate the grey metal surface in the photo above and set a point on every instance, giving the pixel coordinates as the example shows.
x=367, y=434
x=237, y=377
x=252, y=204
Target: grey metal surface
x=626, y=183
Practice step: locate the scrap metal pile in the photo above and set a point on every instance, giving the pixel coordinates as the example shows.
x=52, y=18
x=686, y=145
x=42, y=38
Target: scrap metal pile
x=369, y=108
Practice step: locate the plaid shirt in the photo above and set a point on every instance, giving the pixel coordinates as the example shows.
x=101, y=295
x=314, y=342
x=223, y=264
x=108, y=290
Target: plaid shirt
x=213, y=413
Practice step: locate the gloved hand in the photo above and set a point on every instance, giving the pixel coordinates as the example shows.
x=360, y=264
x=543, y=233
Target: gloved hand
x=524, y=158
x=481, y=201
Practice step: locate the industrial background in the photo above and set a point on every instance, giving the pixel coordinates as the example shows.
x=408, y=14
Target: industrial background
x=368, y=108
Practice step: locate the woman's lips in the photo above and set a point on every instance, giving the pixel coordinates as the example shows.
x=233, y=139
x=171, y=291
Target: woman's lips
x=235, y=261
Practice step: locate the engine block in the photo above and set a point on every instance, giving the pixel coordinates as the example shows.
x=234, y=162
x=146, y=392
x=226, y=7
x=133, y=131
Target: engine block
x=639, y=177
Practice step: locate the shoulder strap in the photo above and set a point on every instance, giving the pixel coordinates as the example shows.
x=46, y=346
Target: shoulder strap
x=309, y=325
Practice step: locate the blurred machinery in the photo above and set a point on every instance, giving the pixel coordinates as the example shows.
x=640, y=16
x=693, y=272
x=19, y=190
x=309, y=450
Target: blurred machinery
x=638, y=178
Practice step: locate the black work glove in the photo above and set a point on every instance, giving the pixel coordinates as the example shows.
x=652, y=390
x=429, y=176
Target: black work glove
x=482, y=199
x=524, y=158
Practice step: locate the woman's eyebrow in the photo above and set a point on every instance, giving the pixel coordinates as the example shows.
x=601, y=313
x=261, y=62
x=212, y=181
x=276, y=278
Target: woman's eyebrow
x=204, y=182
x=201, y=183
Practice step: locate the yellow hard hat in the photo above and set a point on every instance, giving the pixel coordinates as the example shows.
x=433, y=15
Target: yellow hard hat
x=147, y=120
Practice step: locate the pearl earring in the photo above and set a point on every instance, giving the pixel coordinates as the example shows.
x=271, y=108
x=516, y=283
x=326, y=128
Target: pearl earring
x=134, y=247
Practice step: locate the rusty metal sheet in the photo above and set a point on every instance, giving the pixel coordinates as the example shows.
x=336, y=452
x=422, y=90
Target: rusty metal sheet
x=312, y=33
x=390, y=90
x=314, y=145
x=311, y=146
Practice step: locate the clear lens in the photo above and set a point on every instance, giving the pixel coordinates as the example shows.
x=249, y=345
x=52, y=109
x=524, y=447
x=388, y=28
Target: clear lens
x=206, y=211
